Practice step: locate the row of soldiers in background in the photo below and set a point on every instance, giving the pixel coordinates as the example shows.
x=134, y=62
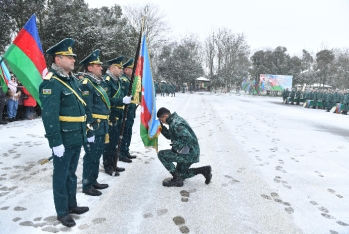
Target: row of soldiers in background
x=84, y=112
x=319, y=99
x=164, y=88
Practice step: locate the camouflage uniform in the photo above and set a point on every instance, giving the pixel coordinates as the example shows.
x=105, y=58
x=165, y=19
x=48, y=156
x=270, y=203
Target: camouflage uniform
x=181, y=135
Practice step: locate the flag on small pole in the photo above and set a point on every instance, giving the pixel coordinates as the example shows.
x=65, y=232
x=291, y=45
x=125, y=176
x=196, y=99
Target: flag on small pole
x=26, y=58
x=5, y=76
x=150, y=126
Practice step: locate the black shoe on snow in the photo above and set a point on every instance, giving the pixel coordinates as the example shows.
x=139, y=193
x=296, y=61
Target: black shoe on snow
x=176, y=181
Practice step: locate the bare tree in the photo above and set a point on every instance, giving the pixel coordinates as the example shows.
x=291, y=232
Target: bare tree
x=210, y=52
x=155, y=25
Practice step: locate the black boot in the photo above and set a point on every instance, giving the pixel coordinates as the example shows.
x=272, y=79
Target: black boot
x=120, y=169
x=100, y=186
x=111, y=171
x=205, y=171
x=79, y=210
x=92, y=192
x=67, y=221
x=176, y=181
x=128, y=155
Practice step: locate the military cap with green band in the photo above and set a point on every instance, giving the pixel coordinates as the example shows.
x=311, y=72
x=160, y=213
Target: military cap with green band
x=63, y=47
x=93, y=58
x=129, y=63
x=116, y=62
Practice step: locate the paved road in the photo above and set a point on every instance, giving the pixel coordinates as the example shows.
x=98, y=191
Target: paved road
x=276, y=169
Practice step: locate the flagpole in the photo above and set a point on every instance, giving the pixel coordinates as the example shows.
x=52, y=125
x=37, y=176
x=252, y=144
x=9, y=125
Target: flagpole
x=129, y=94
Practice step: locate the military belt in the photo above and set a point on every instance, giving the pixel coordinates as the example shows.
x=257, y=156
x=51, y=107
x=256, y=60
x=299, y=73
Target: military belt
x=97, y=116
x=120, y=107
x=72, y=118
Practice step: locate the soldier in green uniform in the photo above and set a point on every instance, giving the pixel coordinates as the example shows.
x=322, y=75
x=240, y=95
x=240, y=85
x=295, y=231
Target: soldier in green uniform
x=315, y=98
x=117, y=100
x=163, y=88
x=329, y=100
x=298, y=96
x=125, y=155
x=292, y=96
x=64, y=120
x=97, y=109
x=324, y=99
x=173, y=90
x=283, y=95
x=185, y=150
x=287, y=94
x=156, y=87
x=345, y=102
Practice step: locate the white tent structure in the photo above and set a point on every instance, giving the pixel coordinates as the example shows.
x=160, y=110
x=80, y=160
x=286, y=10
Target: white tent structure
x=202, y=79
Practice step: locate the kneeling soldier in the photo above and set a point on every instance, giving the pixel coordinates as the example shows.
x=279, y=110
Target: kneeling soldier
x=185, y=150
x=64, y=119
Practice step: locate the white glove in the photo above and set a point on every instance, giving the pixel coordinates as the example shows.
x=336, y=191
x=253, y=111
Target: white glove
x=58, y=150
x=91, y=139
x=127, y=100
x=184, y=150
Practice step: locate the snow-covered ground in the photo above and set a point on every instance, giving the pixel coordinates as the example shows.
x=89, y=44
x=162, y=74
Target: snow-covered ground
x=276, y=169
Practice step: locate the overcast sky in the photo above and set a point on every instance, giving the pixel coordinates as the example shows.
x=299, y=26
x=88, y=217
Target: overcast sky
x=296, y=24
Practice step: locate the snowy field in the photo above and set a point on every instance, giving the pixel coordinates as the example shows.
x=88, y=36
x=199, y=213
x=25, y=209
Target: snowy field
x=276, y=169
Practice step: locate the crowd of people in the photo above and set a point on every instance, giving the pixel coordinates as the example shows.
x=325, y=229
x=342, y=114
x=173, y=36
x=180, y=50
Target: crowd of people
x=328, y=99
x=17, y=103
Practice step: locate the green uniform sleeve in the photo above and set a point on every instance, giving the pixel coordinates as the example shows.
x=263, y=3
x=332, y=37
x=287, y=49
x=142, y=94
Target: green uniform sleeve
x=165, y=132
x=50, y=99
x=87, y=96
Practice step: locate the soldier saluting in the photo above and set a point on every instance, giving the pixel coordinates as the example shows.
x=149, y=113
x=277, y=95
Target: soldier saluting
x=117, y=100
x=97, y=108
x=64, y=120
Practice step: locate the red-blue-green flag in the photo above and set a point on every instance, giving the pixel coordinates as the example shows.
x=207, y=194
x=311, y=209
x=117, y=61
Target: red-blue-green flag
x=150, y=126
x=4, y=76
x=26, y=58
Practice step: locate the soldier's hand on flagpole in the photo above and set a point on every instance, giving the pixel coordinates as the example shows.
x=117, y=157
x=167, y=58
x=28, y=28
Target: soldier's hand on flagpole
x=127, y=99
x=58, y=150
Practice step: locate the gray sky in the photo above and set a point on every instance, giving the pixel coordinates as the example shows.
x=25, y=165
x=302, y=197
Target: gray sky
x=296, y=24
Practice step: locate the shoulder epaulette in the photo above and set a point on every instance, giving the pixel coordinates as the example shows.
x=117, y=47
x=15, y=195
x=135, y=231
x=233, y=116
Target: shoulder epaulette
x=107, y=78
x=85, y=81
x=124, y=79
x=48, y=76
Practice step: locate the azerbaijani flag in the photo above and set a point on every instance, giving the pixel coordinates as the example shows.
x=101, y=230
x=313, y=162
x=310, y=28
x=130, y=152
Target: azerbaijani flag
x=5, y=76
x=150, y=126
x=26, y=58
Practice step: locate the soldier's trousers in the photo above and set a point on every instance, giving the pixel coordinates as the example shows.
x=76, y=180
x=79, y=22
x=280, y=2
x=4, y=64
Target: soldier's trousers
x=64, y=180
x=127, y=135
x=110, y=148
x=168, y=157
x=93, y=153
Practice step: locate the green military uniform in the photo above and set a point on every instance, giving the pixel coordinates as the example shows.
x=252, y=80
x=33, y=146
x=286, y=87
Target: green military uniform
x=156, y=87
x=163, y=88
x=298, y=96
x=131, y=115
x=180, y=134
x=292, y=96
x=115, y=93
x=287, y=94
x=185, y=151
x=323, y=98
x=329, y=100
x=174, y=90
x=64, y=120
x=97, y=109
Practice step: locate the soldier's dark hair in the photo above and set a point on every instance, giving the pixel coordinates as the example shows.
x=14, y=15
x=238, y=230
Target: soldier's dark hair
x=162, y=111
